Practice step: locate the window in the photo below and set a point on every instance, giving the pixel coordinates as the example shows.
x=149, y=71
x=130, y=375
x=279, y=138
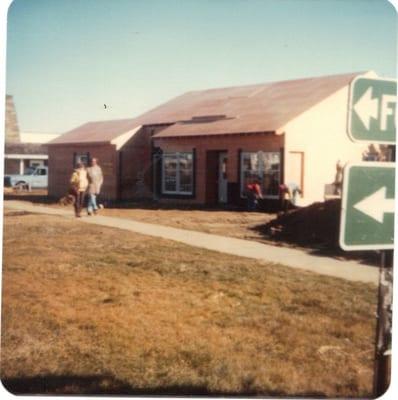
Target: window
x=264, y=167
x=81, y=158
x=41, y=172
x=177, y=176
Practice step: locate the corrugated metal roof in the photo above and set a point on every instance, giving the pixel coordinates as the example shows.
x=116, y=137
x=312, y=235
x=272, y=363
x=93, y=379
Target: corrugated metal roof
x=253, y=108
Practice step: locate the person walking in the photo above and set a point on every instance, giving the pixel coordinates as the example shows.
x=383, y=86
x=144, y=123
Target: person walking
x=95, y=179
x=79, y=184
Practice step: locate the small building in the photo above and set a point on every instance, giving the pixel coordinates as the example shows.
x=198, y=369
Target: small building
x=204, y=146
x=22, y=149
x=123, y=148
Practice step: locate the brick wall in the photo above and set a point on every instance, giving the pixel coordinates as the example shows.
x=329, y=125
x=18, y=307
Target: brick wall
x=60, y=165
x=233, y=144
x=136, y=167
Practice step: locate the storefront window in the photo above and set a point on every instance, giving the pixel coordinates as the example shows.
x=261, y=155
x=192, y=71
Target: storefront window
x=177, y=173
x=263, y=167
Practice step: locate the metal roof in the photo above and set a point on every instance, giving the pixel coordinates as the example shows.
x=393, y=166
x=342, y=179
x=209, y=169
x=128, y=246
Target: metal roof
x=253, y=108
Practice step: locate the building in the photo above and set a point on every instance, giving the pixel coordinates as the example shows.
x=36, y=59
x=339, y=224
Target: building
x=204, y=146
x=22, y=149
x=20, y=156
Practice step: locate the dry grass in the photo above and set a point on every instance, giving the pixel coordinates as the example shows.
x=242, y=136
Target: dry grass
x=239, y=224
x=97, y=310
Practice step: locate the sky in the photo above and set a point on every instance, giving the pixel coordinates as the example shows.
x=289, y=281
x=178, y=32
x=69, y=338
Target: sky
x=67, y=58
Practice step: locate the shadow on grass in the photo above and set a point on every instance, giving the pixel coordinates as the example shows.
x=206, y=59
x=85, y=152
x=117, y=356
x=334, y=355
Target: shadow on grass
x=107, y=385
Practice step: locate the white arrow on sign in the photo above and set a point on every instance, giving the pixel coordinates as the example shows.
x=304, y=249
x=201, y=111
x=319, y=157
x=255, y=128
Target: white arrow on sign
x=376, y=205
x=367, y=107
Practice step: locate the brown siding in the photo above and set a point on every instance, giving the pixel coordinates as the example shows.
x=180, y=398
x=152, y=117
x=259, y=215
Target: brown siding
x=11, y=166
x=233, y=144
x=60, y=165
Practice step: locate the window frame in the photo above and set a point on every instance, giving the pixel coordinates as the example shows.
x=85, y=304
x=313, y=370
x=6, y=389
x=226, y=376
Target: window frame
x=242, y=172
x=178, y=190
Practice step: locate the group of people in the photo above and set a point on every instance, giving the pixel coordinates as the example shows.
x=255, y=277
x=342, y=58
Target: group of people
x=86, y=181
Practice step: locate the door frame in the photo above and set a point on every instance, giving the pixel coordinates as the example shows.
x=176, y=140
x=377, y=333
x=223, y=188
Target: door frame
x=222, y=178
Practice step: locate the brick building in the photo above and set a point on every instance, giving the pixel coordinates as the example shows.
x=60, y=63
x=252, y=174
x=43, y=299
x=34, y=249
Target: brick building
x=122, y=148
x=202, y=147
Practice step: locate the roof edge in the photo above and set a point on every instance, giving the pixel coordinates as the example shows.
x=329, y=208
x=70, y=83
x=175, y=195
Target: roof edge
x=212, y=134
x=369, y=73
x=78, y=143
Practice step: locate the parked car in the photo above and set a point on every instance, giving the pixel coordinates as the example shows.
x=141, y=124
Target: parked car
x=34, y=177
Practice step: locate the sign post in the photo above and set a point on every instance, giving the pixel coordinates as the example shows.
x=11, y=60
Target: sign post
x=367, y=216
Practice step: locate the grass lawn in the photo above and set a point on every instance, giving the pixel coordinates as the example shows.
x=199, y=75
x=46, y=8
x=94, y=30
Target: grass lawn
x=97, y=310
x=239, y=224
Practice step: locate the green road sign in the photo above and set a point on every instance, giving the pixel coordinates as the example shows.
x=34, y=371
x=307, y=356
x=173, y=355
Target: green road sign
x=372, y=108
x=367, y=215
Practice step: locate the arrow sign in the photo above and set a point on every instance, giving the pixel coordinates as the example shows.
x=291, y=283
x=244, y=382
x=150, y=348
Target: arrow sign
x=376, y=205
x=367, y=215
x=367, y=107
x=372, y=110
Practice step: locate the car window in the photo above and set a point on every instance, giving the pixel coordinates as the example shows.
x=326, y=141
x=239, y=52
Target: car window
x=41, y=172
x=29, y=171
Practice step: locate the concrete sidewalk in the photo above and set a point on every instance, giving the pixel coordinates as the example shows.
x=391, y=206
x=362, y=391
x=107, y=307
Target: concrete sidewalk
x=350, y=270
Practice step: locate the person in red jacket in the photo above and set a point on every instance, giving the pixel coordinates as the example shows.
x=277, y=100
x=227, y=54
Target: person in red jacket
x=253, y=193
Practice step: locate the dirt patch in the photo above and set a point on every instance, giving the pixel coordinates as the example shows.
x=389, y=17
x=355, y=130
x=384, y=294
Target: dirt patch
x=315, y=227
x=103, y=312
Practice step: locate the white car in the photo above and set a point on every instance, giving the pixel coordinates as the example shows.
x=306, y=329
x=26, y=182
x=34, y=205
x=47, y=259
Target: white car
x=33, y=178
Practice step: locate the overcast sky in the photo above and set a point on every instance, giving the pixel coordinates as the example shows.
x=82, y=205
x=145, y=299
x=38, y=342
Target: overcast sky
x=66, y=58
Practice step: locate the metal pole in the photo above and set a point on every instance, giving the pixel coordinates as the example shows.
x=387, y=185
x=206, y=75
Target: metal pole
x=382, y=371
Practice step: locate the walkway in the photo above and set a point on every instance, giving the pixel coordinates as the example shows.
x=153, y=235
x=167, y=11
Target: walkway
x=350, y=270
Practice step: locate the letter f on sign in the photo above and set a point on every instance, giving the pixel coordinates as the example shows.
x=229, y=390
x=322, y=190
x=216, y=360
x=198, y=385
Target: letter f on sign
x=387, y=108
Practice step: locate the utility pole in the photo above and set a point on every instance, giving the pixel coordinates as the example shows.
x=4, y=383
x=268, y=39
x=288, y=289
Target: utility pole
x=382, y=371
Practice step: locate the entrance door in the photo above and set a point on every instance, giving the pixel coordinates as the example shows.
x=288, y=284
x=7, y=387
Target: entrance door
x=222, y=178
